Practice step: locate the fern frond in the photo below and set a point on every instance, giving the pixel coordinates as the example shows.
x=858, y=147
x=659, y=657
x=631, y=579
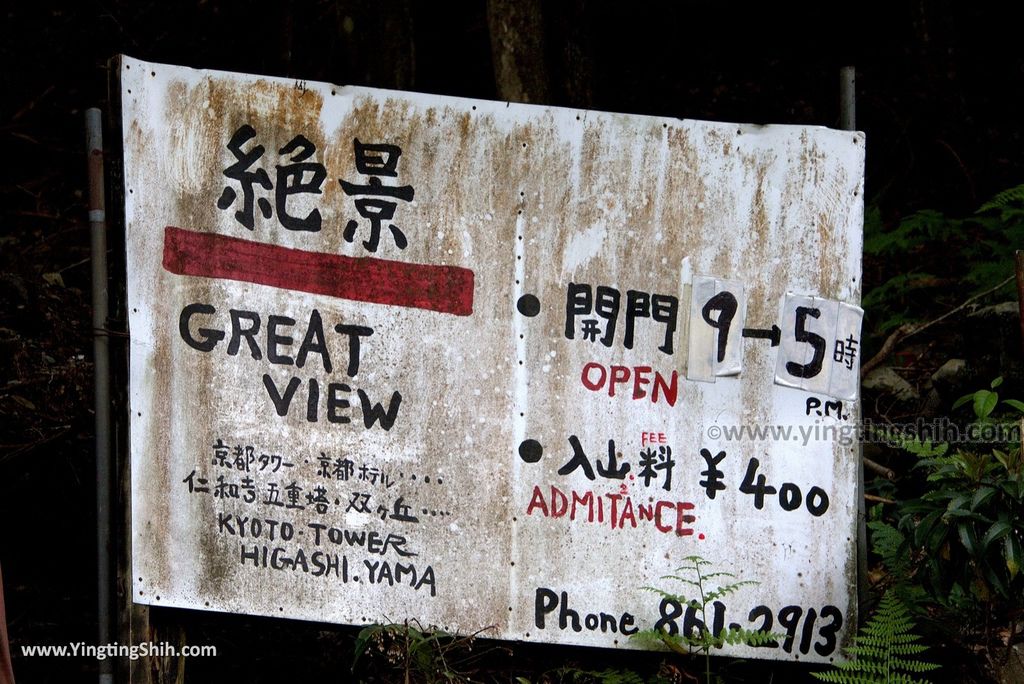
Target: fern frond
x=924, y=448
x=683, y=601
x=1004, y=199
x=884, y=649
x=749, y=637
x=681, y=579
x=726, y=589
x=891, y=546
x=713, y=575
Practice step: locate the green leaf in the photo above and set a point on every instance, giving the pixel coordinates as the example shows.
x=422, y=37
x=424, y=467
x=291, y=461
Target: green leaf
x=984, y=403
x=936, y=538
x=999, y=529
x=1014, y=555
x=1019, y=405
x=982, y=496
x=1014, y=489
x=956, y=503
x=968, y=537
x=994, y=579
x=997, y=382
x=1002, y=457
x=962, y=400
x=925, y=526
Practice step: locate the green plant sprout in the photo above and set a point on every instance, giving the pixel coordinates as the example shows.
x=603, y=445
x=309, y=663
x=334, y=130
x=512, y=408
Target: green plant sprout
x=698, y=638
x=419, y=654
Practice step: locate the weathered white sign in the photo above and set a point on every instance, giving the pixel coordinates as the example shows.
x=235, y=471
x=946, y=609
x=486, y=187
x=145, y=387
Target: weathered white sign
x=488, y=365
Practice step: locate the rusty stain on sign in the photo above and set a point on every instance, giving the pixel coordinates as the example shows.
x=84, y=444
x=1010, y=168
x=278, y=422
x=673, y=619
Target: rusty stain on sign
x=487, y=365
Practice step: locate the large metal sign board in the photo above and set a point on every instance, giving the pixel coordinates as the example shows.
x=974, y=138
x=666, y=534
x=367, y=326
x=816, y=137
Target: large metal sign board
x=488, y=365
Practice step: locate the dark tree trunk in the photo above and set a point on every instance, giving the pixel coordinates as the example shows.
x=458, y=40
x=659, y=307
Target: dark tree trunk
x=572, y=58
x=517, y=50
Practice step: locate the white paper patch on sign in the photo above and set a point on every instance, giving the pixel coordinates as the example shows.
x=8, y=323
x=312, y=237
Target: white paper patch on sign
x=717, y=310
x=820, y=346
x=845, y=381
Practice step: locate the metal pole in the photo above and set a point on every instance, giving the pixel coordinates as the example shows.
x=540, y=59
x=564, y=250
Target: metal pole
x=1018, y=257
x=848, y=98
x=848, y=122
x=101, y=367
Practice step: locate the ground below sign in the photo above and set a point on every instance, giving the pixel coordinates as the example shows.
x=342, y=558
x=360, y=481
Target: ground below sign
x=488, y=365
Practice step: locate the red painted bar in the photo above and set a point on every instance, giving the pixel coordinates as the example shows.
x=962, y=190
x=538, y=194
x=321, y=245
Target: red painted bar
x=447, y=289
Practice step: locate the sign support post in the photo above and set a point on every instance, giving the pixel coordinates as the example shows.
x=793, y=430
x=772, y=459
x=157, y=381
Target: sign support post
x=101, y=374
x=848, y=122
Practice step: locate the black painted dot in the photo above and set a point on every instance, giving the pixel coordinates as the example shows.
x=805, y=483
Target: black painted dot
x=427, y=479
x=530, y=450
x=528, y=305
